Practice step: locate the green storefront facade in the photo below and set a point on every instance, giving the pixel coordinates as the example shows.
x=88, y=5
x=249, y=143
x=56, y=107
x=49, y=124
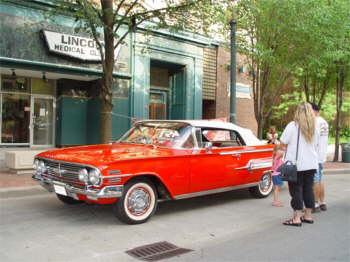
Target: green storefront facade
x=48, y=89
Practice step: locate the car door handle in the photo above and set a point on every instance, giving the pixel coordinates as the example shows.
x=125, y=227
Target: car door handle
x=236, y=154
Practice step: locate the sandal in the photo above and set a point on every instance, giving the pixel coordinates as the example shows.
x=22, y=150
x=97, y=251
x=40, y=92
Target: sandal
x=290, y=222
x=308, y=221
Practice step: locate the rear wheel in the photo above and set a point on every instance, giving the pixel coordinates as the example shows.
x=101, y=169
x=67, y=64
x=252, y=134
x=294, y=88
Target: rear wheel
x=264, y=188
x=138, y=203
x=68, y=200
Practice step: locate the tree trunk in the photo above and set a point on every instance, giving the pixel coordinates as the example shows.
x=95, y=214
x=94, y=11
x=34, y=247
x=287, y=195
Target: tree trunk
x=263, y=88
x=261, y=125
x=306, y=88
x=339, y=102
x=324, y=89
x=107, y=78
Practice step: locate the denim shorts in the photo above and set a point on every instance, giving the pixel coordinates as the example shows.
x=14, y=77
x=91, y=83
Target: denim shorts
x=319, y=174
x=277, y=181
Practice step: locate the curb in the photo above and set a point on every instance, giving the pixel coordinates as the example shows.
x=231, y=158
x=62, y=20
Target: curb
x=337, y=170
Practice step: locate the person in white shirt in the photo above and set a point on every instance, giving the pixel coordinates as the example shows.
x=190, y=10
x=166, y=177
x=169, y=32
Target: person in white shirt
x=306, y=161
x=319, y=191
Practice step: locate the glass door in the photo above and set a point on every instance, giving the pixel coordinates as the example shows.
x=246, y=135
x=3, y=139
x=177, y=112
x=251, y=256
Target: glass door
x=42, y=125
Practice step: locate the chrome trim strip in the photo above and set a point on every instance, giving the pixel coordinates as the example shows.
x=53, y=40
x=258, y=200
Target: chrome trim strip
x=214, y=191
x=245, y=151
x=105, y=192
x=122, y=175
x=251, y=165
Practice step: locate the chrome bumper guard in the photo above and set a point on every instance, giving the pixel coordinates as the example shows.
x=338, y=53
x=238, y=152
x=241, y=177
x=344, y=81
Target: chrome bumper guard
x=94, y=194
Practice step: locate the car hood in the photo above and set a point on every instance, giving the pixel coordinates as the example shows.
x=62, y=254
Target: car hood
x=98, y=155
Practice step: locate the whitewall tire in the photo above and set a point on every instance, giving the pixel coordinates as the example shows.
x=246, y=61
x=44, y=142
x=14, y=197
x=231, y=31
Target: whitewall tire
x=138, y=203
x=264, y=188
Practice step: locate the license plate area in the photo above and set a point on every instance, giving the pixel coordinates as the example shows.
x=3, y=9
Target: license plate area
x=61, y=190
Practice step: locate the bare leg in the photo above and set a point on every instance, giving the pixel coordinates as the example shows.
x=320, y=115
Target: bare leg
x=317, y=190
x=297, y=214
x=276, y=194
x=307, y=214
x=321, y=193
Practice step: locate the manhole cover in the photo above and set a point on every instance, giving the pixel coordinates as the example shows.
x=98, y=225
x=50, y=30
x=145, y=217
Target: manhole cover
x=157, y=251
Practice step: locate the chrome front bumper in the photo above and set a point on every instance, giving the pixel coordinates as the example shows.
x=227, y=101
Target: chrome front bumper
x=93, y=194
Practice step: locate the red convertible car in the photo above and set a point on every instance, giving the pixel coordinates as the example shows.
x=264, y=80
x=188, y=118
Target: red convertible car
x=158, y=160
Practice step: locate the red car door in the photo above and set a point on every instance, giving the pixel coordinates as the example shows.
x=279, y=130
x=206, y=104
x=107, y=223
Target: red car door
x=216, y=167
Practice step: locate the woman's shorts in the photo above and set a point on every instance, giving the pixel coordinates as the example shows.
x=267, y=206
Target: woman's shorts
x=319, y=174
x=277, y=181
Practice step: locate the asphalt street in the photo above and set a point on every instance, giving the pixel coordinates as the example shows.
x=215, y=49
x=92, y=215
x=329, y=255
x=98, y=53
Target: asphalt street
x=231, y=226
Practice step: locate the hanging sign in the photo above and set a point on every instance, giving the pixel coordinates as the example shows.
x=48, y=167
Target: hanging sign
x=82, y=48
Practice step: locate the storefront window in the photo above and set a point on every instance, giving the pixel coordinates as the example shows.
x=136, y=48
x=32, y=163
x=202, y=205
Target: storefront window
x=121, y=88
x=14, y=84
x=27, y=110
x=15, y=118
x=73, y=88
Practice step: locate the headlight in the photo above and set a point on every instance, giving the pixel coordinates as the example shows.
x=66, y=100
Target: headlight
x=41, y=167
x=83, y=175
x=94, y=177
x=36, y=164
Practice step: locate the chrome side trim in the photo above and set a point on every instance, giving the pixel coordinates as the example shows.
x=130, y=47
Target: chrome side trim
x=123, y=175
x=214, y=191
x=245, y=151
x=251, y=165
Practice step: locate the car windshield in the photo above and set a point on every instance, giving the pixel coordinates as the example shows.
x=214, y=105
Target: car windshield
x=160, y=134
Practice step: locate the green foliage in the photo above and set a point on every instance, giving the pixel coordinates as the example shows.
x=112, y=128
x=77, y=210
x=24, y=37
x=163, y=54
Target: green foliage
x=283, y=112
x=299, y=46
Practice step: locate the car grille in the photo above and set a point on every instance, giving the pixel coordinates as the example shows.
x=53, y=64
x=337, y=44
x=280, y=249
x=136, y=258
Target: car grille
x=65, y=172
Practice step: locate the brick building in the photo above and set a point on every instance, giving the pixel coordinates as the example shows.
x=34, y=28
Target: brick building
x=216, y=88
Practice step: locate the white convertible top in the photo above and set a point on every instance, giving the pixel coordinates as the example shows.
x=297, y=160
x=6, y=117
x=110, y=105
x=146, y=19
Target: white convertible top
x=249, y=138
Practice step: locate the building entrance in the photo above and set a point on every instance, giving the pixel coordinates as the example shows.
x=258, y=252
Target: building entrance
x=42, y=121
x=27, y=111
x=167, y=92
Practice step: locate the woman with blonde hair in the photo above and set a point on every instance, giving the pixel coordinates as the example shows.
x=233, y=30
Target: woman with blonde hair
x=300, y=139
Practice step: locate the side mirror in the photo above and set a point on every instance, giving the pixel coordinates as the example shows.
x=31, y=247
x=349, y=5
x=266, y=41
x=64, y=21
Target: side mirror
x=208, y=146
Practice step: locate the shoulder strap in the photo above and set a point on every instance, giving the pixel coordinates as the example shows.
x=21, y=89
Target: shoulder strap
x=296, y=155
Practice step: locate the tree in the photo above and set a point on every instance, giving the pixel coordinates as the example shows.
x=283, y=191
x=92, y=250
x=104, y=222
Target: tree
x=320, y=43
x=292, y=46
x=262, y=38
x=339, y=51
x=103, y=19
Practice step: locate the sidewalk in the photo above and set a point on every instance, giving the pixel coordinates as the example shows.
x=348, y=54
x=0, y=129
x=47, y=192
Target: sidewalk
x=10, y=181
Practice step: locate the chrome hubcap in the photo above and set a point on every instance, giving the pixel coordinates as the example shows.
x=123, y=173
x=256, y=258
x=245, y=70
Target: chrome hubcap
x=265, y=183
x=139, y=201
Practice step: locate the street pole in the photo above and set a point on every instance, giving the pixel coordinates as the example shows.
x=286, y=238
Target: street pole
x=233, y=72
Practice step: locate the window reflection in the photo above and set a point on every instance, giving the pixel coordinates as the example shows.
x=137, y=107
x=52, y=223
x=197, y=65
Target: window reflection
x=14, y=84
x=15, y=118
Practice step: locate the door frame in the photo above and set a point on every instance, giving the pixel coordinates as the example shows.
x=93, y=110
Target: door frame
x=31, y=125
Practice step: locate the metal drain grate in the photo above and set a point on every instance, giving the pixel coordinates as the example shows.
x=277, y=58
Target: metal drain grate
x=157, y=251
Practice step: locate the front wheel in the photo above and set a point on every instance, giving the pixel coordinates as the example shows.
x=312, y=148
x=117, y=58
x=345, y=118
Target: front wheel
x=138, y=203
x=264, y=188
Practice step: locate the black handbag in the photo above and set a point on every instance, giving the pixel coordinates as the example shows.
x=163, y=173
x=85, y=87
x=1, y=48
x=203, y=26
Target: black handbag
x=288, y=170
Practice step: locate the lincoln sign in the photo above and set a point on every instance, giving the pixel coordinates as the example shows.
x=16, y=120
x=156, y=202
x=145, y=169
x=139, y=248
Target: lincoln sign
x=82, y=48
